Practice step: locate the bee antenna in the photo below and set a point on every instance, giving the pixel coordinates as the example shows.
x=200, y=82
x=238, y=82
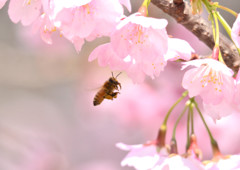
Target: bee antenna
x=112, y=74
x=118, y=74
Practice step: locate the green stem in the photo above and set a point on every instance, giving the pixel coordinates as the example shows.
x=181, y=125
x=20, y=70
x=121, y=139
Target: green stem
x=146, y=3
x=192, y=118
x=188, y=127
x=217, y=28
x=214, y=144
x=184, y=94
x=224, y=24
x=226, y=9
x=179, y=118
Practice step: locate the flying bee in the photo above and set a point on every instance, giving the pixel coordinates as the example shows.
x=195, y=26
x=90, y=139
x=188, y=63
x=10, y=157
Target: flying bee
x=107, y=90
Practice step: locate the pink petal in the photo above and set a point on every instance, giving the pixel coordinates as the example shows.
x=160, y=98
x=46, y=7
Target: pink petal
x=236, y=31
x=220, y=110
x=179, y=49
x=2, y=3
x=19, y=10
x=140, y=157
x=106, y=56
x=127, y=4
x=78, y=43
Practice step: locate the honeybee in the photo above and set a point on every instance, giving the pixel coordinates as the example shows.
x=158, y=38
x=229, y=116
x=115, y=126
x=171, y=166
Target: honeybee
x=107, y=90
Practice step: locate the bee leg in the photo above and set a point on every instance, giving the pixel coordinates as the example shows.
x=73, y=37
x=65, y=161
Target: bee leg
x=114, y=95
x=111, y=96
x=120, y=86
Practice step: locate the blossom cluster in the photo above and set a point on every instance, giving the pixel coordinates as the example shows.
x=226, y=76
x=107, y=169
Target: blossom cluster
x=75, y=20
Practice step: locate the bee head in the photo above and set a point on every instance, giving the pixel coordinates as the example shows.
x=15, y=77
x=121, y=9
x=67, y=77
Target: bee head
x=113, y=80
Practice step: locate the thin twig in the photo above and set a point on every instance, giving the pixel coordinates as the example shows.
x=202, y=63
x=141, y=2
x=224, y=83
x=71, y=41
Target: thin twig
x=201, y=28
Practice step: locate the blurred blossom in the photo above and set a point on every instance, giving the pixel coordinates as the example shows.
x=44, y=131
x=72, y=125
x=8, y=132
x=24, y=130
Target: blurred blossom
x=98, y=165
x=236, y=31
x=24, y=150
x=143, y=156
x=230, y=162
x=174, y=162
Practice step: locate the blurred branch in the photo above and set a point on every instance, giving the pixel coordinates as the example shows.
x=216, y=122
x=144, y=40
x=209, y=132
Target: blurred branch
x=182, y=13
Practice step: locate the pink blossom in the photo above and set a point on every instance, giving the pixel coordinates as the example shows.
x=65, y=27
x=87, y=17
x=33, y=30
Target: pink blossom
x=141, y=43
x=142, y=157
x=211, y=79
x=25, y=11
x=174, y=162
x=86, y=20
x=236, y=31
x=231, y=162
x=127, y=4
x=2, y=3
x=222, y=109
x=106, y=56
x=46, y=27
x=179, y=49
x=237, y=93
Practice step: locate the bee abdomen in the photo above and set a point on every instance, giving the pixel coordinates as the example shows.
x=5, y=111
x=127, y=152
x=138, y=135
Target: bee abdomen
x=97, y=100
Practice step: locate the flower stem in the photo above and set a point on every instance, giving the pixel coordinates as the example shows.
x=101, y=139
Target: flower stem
x=214, y=144
x=144, y=7
x=226, y=9
x=184, y=94
x=173, y=143
x=188, y=132
x=192, y=118
x=217, y=28
x=224, y=24
x=179, y=118
x=163, y=129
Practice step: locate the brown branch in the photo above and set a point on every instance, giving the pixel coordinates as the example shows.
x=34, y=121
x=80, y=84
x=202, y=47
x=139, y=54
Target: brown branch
x=201, y=28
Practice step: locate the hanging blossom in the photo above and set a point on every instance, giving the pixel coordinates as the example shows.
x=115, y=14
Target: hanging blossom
x=230, y=162
x=86, y=20
x=222, y=109
x=211, y=79
x=213, y=82
x=188, y=161
x=179, y=162
x=143, y=156
x=138, y=46
x=236, y=31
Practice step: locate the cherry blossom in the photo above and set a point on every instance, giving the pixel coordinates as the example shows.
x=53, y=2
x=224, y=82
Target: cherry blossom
x=46, y=27
x=178, y=162
x=25, y=11
x=231, y=162
x=236, y=31
x=222, y=109
x=86, y=20
x=179, y=49
x=211, y=79
x=142, y=157
x=140, y=43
